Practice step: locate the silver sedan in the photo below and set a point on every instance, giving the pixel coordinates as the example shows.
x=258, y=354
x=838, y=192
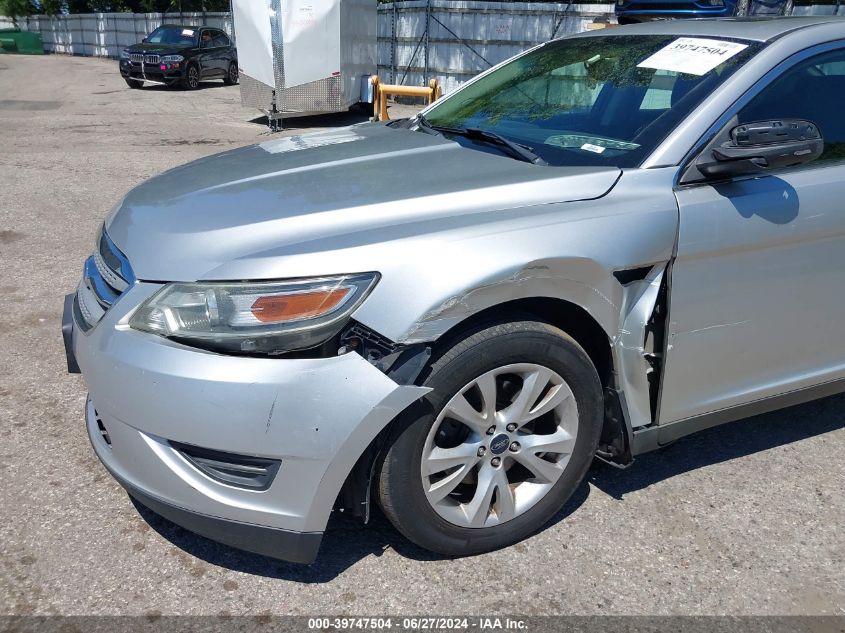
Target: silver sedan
x=604, y=244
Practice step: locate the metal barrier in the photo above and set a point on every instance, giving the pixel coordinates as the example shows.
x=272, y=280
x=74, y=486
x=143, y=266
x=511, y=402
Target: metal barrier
x=382, y=91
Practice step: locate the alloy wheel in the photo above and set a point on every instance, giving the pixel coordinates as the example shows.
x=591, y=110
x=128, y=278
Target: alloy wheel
x=499, y=445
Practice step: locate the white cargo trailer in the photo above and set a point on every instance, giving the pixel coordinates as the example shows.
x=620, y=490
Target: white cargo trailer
x=300, y=57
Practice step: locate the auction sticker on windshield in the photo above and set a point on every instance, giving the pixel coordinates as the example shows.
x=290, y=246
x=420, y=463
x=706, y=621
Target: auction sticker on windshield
x=692, y=55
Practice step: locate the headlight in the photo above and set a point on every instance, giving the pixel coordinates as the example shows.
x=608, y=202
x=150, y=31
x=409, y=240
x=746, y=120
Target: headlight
x=259, y=317
x=172, y=58
x=124, y=54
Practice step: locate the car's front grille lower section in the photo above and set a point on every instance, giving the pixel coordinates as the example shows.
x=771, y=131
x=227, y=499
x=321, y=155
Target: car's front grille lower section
x=140, y=58
x=106, y=277
x=242, y=471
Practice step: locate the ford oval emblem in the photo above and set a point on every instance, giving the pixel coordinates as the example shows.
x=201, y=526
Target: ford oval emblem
x=500, y=444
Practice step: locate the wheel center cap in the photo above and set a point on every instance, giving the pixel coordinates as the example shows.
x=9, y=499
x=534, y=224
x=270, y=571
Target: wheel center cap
x=499, y=444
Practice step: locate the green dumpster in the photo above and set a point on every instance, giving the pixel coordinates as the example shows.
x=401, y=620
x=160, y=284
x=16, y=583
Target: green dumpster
x=24, y=42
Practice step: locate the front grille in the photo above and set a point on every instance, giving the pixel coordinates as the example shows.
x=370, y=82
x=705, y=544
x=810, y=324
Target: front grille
x=242, y=471
x=140, y=58
x=106, y=277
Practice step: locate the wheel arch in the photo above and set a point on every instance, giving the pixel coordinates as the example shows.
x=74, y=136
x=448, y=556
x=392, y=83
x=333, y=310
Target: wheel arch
x=569, y=317
x=565, y=315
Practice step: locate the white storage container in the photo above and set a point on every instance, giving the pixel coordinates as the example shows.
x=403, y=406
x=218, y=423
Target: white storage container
x=299, y=57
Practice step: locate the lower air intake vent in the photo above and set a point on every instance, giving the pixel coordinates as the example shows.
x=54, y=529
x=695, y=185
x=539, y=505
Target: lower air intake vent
x=243, y=471
x=102, y=428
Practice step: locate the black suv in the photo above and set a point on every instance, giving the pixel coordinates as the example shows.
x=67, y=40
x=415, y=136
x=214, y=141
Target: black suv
x=184, y=55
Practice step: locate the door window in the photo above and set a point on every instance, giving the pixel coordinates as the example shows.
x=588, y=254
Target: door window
x=813, y=90
x=221, y=40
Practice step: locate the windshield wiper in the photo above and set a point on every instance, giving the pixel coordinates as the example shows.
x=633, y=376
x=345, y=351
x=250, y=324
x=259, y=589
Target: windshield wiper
x=518, y=151
x=523, y=152
x=424, y=125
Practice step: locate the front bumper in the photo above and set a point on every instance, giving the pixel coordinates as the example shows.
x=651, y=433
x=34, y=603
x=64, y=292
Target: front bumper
x=150, y=72
x=316, y=416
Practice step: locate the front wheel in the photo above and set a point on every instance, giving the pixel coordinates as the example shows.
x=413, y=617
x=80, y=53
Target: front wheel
x=135, y=84
x=191, y=81
x=514, y=420
x=231, y=77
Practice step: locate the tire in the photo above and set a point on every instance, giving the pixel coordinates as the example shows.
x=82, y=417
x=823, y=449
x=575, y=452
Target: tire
x=513, y=350
x=742, y=8
x=788, y=7
x=191, y=80
x=231, y=77
x=135, y=84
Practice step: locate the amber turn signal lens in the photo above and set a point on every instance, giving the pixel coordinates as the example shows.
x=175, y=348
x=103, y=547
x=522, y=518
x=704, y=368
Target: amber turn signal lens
x=293, y=307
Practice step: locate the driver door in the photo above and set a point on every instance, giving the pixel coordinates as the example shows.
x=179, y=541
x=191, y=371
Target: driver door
x=756, y=304
x=208, y=61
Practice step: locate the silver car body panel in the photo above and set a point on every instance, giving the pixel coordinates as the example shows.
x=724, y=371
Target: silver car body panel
x=316, y=415
x=345, y=190
x=454, y=231
x=752, y=315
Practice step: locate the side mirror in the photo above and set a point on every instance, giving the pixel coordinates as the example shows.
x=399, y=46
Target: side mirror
x=761, y=146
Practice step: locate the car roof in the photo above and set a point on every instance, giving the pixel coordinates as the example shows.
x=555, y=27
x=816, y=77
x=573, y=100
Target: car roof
x=182, y=26
x=760, y=29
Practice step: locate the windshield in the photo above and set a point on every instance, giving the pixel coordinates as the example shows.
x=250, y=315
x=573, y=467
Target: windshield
x=173, y=35
x=592, y=100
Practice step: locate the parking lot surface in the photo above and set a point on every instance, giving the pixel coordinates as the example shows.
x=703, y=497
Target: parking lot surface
x=743, y=519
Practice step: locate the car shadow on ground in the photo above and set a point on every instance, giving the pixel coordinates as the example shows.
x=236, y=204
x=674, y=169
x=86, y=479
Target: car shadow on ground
x=723, y=443
x=211, y=83
x=348, y=540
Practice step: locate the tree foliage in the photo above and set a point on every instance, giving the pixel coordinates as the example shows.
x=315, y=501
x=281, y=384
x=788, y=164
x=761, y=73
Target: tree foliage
x=19, y=8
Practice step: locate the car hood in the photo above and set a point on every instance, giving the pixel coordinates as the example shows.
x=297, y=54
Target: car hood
x=161, y=49
x=340, y=189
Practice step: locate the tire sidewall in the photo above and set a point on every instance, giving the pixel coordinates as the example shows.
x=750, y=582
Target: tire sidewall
x=551, y=348
x=187, y=83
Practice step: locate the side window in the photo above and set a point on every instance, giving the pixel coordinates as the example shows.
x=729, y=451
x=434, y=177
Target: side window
x=811, y=90
x=220, y=39
x=206, y=39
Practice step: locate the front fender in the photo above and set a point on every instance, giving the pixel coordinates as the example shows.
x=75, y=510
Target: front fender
x=565, y=251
